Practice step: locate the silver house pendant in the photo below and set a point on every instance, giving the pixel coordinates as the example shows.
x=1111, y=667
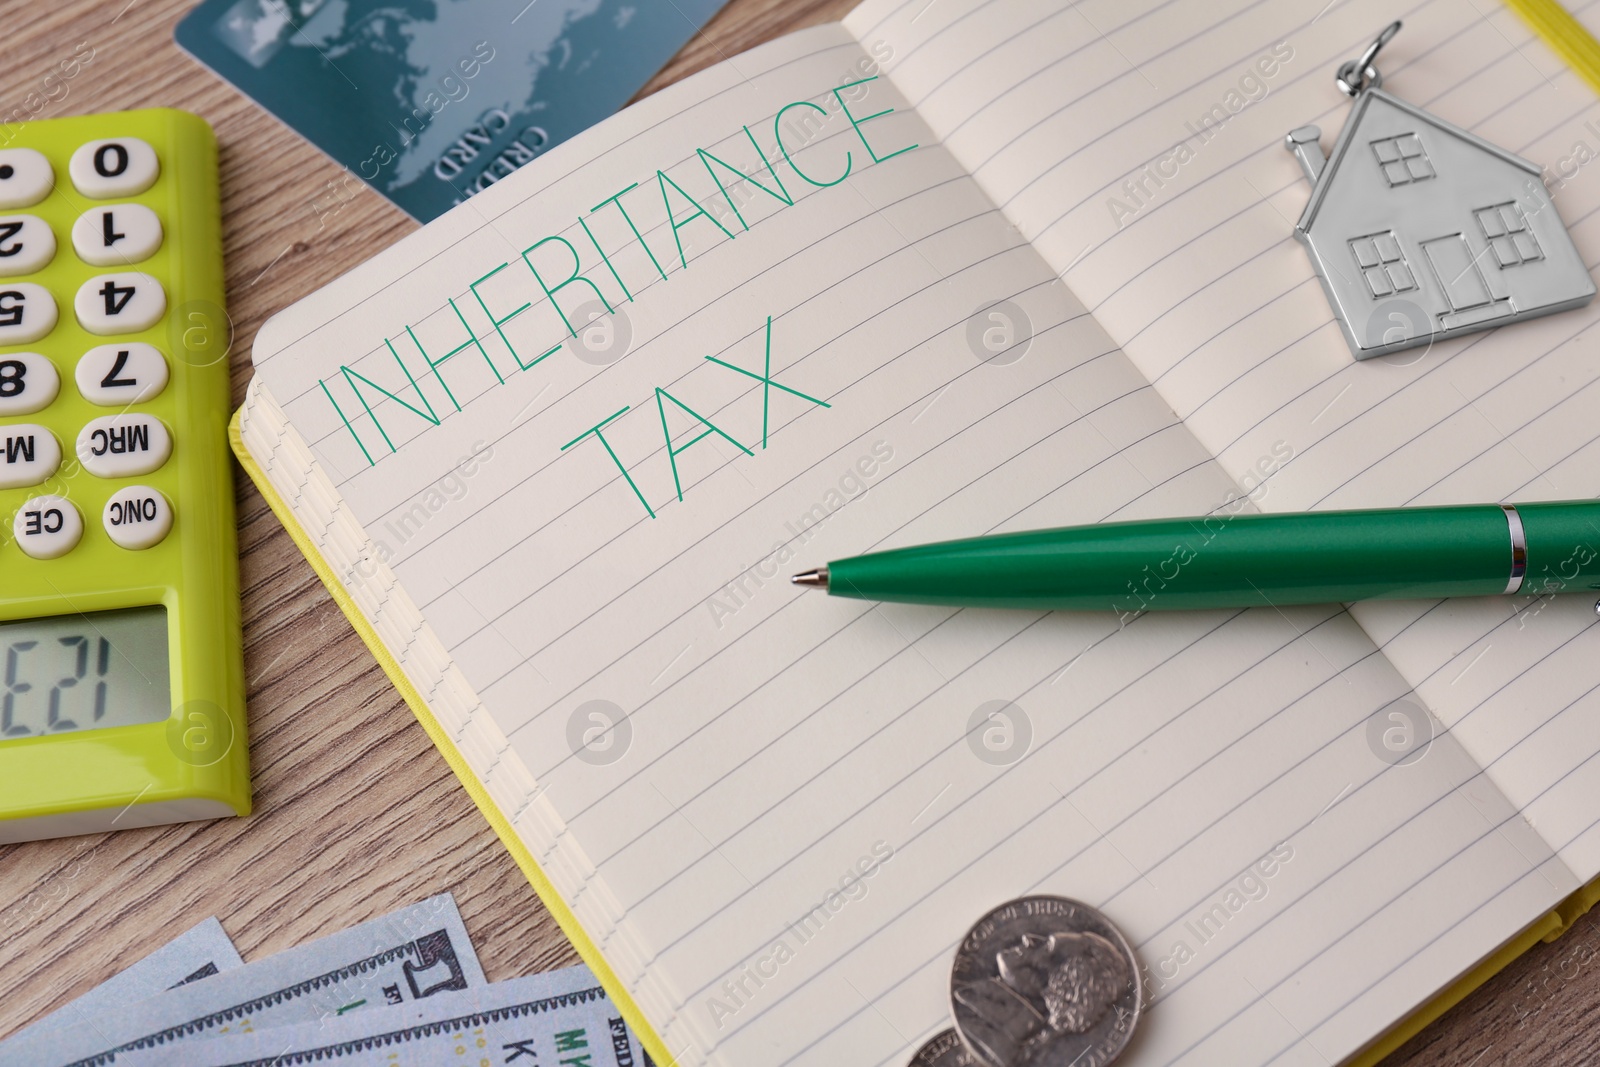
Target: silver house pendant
x=1419, y=230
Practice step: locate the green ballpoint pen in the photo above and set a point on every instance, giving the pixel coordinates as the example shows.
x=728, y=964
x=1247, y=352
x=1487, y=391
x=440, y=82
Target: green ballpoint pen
x=1243, y=560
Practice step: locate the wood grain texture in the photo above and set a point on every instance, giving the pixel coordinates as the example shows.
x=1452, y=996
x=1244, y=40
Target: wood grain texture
x=356, y=812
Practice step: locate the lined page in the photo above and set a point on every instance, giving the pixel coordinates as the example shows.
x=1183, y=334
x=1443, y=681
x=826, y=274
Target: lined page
x=777, y=812
x=1088, y=127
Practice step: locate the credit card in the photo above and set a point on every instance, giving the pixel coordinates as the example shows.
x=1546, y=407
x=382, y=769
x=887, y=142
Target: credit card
x=431, y=101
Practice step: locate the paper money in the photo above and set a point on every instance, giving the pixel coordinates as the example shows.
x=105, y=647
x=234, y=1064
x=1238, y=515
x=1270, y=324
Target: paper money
x=561, y=1017
x=412, y=954
x=203, y=951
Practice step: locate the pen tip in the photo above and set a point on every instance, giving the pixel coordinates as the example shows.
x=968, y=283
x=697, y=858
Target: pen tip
x=817, y=579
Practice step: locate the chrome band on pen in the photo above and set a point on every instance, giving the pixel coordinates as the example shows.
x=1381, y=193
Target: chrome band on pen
x=1519, y=549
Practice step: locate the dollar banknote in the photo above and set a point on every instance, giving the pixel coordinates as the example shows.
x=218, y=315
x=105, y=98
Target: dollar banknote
x=409, y=955
x=199, y=953
x=561, y=1017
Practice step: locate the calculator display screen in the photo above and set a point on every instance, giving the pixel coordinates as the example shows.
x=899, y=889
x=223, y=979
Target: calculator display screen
x=73, y=673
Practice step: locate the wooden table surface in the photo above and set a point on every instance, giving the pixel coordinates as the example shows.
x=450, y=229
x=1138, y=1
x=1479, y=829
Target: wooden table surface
x=356, y=813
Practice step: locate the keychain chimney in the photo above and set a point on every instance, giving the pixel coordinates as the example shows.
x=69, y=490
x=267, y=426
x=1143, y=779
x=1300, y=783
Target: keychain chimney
x=1305, y=144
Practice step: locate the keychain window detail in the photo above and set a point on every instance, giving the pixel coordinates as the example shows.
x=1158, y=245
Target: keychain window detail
x=1382, y=264
x=1435, y=218
x=1506, y=229
x=1402, y=159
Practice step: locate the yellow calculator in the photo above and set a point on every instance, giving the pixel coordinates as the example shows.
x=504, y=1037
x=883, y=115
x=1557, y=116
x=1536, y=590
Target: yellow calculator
x=121, y=665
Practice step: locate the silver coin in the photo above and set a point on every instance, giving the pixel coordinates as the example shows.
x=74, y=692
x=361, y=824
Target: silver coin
x=944, y=1049
x=1045, y=982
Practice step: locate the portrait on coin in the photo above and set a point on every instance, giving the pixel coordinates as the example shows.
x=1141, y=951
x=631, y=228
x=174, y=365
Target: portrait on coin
x=1044, y=987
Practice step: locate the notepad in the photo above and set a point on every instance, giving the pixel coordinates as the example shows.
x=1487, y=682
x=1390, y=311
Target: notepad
x=953, y=267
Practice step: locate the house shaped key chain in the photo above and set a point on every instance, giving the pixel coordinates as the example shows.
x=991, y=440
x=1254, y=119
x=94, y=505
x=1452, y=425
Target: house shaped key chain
x=1420, y=231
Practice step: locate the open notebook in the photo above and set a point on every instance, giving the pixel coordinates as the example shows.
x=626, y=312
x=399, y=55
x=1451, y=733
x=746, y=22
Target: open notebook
x=766, y=817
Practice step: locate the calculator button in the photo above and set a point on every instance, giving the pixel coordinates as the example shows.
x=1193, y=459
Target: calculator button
x=114, y=375
x=120, y=303
x=47, y=527
x=120, y=166
x=25, y=178
x=137, y=517
x=28, y=455
x=27, y=313
x=28, y=383
x=121, y=446
x=115, y=234
x=26, y=244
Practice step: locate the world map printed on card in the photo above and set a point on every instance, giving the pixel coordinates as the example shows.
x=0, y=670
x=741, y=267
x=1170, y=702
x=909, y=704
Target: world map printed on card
x=432, y=101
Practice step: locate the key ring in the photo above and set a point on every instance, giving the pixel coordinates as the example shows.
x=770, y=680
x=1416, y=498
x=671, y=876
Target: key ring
x=1356, y=75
